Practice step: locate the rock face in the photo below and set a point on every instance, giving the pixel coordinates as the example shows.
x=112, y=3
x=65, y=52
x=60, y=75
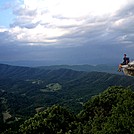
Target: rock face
x=129, y=69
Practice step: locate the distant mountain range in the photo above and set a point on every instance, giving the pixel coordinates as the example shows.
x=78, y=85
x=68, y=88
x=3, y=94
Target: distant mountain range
x=86, y=68
x=110, y=68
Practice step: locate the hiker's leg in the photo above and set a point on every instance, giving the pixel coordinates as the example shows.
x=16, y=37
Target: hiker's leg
x=119, y=68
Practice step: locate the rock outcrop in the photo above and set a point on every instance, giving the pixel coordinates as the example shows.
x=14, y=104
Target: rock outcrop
x=129, y=69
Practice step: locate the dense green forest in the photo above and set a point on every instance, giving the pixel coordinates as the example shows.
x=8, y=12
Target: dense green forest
x=110, y=112
x=26, y=91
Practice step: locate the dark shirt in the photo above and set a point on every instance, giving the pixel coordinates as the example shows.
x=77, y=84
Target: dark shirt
x=125, y=60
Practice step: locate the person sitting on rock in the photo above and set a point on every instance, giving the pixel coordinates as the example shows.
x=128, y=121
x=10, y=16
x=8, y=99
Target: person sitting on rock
x=125, y=62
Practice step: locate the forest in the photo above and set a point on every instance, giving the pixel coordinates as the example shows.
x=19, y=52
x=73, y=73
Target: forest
x=109, y=112
x=64, y=101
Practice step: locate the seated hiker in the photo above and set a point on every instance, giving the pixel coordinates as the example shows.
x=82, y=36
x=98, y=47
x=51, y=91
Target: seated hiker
x=125, y=62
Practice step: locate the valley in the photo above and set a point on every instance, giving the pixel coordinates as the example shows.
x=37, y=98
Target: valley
x=25, y=91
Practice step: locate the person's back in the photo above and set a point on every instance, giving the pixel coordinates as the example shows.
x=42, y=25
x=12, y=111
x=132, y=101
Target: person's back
x=127, y=60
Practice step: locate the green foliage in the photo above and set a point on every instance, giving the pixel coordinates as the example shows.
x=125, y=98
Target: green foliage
x=53, y=120
x=111, y=112
x=122, y=118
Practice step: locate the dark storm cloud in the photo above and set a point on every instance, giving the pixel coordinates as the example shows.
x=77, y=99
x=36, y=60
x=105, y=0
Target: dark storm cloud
x=21, y=52
x=6, y=38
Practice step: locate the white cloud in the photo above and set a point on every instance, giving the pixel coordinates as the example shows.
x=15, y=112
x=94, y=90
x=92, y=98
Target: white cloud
x=69, y=28
x=47, y=20
x=75, y=8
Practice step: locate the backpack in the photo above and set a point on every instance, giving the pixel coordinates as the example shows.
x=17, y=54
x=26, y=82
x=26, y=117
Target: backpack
x=127, y=59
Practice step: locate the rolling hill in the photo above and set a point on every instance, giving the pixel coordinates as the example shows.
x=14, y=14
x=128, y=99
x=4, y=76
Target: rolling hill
x=25, y=91
x=85, y=68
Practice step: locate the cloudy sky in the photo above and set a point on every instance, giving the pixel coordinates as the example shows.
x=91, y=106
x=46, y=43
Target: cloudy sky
x=66, y=31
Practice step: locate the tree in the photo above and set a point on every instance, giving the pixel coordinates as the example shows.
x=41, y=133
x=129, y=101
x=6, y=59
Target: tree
x=53, y=120
x=109, y=112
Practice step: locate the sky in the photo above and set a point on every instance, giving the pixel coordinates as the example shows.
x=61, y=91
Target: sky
x=66, y=31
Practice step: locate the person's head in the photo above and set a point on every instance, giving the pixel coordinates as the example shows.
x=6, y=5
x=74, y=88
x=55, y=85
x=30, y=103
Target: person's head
x=125, y=55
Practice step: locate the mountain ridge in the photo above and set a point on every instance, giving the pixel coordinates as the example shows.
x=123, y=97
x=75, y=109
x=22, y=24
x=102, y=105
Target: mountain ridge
x=9, y=71
x=85, y=67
